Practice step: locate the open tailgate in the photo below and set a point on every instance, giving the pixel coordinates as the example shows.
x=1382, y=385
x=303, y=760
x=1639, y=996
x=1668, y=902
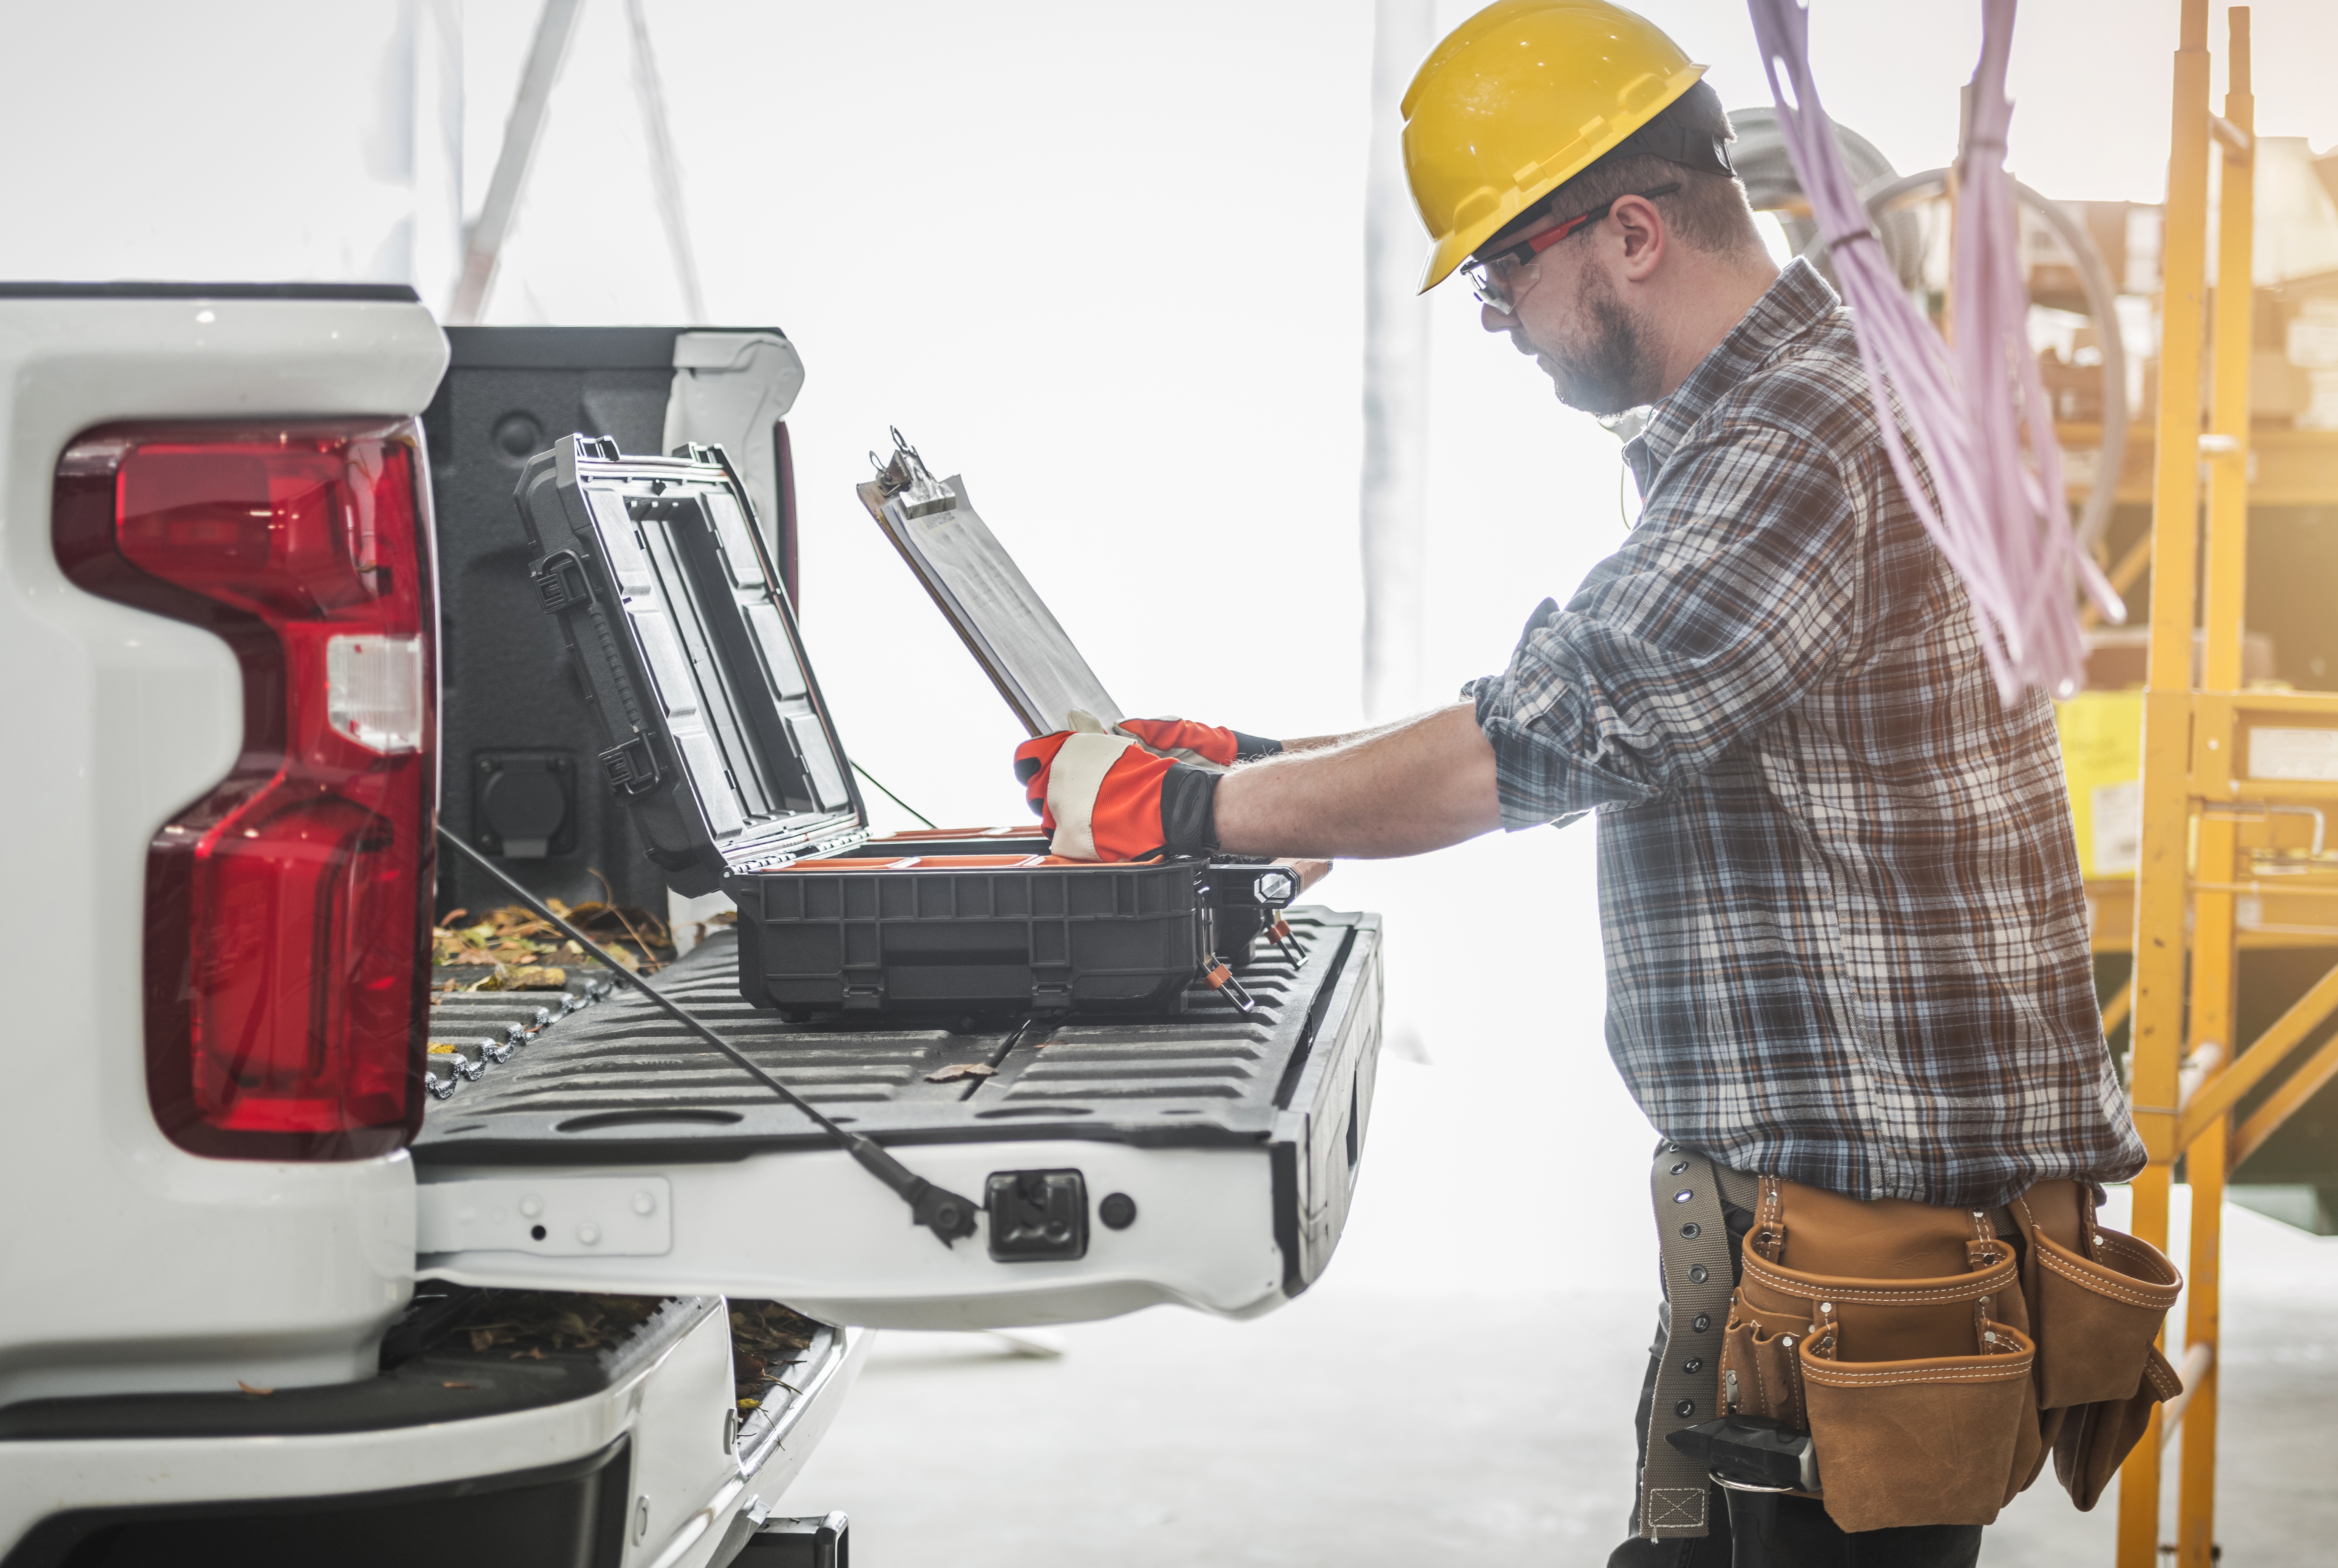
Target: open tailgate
x=1206, y=1159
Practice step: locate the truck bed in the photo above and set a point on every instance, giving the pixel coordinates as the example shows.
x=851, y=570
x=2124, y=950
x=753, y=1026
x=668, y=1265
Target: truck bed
x=619, y=1080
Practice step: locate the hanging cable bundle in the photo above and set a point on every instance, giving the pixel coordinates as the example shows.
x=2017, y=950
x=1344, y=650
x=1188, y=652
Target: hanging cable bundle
x=1980, y=416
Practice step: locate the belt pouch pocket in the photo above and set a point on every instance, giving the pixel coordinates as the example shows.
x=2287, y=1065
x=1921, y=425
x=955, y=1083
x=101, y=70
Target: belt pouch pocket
x=2095, y=1438
x=1918, y=1442
x=1758, y=1373
x=2096, y=1317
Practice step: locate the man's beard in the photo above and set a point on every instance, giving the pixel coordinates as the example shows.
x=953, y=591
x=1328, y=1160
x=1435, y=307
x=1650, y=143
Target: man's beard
x=1612, y=368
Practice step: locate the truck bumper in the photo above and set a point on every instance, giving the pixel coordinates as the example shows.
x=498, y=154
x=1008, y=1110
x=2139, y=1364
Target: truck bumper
x=647, y=1473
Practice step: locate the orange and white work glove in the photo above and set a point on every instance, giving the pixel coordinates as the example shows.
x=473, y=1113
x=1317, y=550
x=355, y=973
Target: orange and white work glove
x=1183, y=740
x=1104, y=796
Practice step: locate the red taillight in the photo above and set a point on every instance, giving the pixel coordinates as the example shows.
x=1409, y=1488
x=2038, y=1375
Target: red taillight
x=287, y=959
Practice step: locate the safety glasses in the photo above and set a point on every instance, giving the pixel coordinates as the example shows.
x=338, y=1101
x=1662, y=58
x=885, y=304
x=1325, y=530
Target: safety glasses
x=1498, y=277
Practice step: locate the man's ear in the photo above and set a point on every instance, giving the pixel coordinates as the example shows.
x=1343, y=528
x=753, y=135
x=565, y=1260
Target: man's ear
x=1644, y=234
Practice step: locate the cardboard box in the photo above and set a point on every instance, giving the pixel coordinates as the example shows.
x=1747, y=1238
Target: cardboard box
x=2102, y=761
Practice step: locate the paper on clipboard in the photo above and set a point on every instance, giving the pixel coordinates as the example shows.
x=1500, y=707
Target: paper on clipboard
x=1004, y=622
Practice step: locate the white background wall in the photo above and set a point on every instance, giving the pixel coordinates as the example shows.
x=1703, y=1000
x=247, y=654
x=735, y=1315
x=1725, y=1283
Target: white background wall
x=1100, y=258
x=1104, y=261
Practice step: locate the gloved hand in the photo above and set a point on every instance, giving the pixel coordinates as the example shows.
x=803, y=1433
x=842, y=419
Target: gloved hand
x=1104, y=796
x=1183, y=740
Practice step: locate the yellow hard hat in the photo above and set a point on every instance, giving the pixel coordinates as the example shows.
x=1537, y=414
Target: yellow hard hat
x=1520, y=99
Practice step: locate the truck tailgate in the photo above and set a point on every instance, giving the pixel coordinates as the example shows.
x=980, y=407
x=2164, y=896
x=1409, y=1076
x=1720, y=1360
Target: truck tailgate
x=1235, y=1138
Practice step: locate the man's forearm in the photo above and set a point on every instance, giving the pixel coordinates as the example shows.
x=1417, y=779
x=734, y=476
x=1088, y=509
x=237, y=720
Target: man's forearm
x=1403, y=789
x=1324, y=743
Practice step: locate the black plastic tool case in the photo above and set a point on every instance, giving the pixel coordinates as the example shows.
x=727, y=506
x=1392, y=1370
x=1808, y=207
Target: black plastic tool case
x=992, y=921
x=713, y=732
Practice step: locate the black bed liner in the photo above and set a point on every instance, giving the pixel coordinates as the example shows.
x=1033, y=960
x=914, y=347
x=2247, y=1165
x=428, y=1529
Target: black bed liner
x=617, y=1082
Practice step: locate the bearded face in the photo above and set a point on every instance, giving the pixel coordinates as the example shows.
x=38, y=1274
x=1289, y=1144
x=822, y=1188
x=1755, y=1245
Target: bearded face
x=1598, y=356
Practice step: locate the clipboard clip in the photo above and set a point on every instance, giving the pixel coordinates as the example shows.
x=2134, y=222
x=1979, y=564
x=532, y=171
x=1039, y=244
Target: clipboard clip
x=905, y=479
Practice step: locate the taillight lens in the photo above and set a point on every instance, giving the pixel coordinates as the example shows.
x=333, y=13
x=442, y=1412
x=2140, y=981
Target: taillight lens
x=287, y=960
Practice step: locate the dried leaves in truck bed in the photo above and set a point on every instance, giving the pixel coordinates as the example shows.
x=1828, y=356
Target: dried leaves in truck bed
x=509, y=936
x=522, y=978
x=527, y=1323
x=607, y=923
x=765, y=1336
x=518, y=938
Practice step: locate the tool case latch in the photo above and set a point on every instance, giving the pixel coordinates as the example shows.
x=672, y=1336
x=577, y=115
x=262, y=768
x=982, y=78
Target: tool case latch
x=560, y=584
x=1051, y=988
x=632, y=766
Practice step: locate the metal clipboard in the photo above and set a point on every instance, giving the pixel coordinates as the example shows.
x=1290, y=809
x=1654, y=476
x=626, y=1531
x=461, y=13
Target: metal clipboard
x=1002, y=619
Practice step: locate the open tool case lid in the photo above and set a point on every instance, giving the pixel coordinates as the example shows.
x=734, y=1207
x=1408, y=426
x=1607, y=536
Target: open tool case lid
x=999, y=616
x=712, y=726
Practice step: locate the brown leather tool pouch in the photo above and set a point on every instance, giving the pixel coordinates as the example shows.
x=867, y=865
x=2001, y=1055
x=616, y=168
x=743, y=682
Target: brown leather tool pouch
x=1910, y=1360
x=1758, y=1374
x=2097, y=1315
x=1932, y=1442
x=2098, y=1297
x=2095, y=1438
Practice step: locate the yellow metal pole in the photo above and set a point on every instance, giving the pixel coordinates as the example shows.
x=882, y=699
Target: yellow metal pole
x=2162, y=867
x=2213, y=956
x=2265, y=1053
x=2279, y=1106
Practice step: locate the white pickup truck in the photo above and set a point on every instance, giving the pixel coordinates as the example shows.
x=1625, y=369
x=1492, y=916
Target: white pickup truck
x=276, y=1285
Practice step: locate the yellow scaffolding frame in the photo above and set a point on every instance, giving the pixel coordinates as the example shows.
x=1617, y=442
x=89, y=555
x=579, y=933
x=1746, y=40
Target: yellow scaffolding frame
x=2207, y=800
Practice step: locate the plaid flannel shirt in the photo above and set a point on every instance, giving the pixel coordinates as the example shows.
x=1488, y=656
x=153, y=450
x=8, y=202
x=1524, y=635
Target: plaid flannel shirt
x=1845, y=935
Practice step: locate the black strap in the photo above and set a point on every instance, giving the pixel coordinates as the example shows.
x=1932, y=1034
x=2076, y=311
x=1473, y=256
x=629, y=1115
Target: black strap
x=1699, y=150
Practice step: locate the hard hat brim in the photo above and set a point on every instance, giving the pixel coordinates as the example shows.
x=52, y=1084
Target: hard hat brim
x=1446, y=254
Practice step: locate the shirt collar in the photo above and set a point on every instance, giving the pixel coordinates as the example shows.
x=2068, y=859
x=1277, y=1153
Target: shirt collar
x=1799, y=300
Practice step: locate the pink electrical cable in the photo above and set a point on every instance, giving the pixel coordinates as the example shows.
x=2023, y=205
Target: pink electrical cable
x=1979, y=415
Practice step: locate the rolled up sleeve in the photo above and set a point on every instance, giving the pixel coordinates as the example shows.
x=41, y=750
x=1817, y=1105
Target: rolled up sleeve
x=1734, y=595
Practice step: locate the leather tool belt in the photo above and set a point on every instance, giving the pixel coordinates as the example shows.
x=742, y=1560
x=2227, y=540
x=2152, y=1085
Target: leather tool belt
x=1934, y=1363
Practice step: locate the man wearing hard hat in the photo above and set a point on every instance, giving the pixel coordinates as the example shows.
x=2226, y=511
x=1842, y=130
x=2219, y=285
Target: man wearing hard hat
x=1848, y=971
